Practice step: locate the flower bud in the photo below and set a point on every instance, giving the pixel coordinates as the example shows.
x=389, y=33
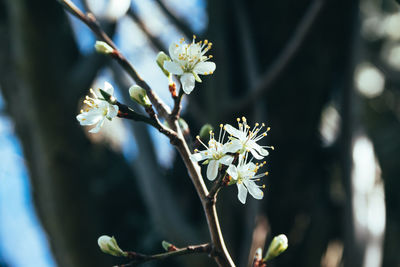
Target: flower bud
x=161, y=57
x=205, y=131
x=278, y=245
x=109, y=246
x=139, y=95
x=103, y=48
x=168, y=246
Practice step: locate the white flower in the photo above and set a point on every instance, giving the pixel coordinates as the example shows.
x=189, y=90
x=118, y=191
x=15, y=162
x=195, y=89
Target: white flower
x=188, y=61
x=244, y=139
x=215, y=154
x=245, y=176
x=98, y=109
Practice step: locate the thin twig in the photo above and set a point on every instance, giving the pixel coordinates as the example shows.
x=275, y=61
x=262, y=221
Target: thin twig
x=141, y=258
x=175, y=20
x=91, y=22
x=177, y=106
x=264, y=83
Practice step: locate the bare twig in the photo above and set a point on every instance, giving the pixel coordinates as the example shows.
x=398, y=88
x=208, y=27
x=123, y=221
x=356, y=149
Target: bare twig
x=141, y=258
x=264, y=83
x=177, y=106
x=91, y=22
x=175, y=20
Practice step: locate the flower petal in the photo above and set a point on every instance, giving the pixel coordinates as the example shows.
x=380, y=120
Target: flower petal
x=242, y=192
x=108, y=88
x=232, y=146
x=255, y=154
x=187, y=81
x=98, y=126
x=254, y=190
x=212, y=169
x=204, y=68
x=200, y=156
x=232, y=171
x=174, y=51
x=226, y=160
x=235, y=132
x=112, y=111
x=173, y=67
x=89, y=118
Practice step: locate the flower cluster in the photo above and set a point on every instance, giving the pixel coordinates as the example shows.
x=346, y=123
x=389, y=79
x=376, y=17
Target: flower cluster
x=97, y=109
x=188, y=61
x=235, y=153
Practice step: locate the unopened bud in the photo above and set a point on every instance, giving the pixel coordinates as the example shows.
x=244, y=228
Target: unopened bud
x=107, y=97
x=139, y=95
x=103, y=48
x=109, y=246
x=278, y=245
x=168, y=246
x=205, y=131
x=161, y=58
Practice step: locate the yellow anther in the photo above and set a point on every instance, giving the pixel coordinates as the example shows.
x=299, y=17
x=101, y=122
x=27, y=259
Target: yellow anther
x=81, y=110
x=244, y=119
x=266, y=173
x=238, y=119
x=196, y=150
x=205, y=41
x=264, y=162
x=210, y=56
x=257, y=124
x=211, y=72
x=269, y=128
x=198, y=137
x=263, y=186
x=221, y=125
x=272, y=147
x=194, y=36
x=263, y=124
x=264, y=134
x=176, y=45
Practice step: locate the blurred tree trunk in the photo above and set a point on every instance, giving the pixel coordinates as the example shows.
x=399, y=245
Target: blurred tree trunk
x=81, y=190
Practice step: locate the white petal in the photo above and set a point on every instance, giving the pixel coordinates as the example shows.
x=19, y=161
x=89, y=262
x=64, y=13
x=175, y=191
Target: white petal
x=260, y=150
x=98, y=126
x=187, y=81
x=108, y=88
x=173, y=67
x=89, y=118
x=232, y=146
x=174, y=51
x=235, y=132
x=112, y=111
x=212, y=170
x=242, y=192
x=204, y=68
x=226, y=160
x=200, y=156
x=232, y=171
x=263, y=152
x=255, y=154
x=254, y=190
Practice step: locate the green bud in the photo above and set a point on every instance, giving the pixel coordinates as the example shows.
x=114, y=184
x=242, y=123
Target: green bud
x=278, y=245
x=166, y=245
x=161, y=58
x=103, y=48
x=205, y=131
x=109, y=246
x=139, y=95
x=183, y=124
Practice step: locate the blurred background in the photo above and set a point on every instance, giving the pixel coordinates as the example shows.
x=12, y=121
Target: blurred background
x=323, y=74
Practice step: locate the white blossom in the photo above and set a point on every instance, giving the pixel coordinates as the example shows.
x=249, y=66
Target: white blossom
x=215, y=154
x=98, y=109
x=189, y=61
x=244, y=139
x=245, y=176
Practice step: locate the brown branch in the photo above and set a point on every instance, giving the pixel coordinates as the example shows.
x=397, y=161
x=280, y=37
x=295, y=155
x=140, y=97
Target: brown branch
x=177, y=106
x=155, y=42
x=175, y=20
x=139, y=258
x=264, y=83
x=91, y=22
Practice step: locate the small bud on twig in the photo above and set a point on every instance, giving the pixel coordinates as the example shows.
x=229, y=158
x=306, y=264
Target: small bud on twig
x=168, y=246
x=138, y=94
x=103, y=48
x=109, y=246
x=278, y=245
x=161, y=58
